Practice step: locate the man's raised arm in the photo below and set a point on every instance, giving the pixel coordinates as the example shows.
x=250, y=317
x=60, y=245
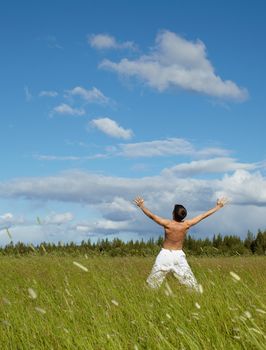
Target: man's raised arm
x=140, y=203
x=219, y=204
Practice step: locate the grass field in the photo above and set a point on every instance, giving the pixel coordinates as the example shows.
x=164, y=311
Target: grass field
x=51, y=303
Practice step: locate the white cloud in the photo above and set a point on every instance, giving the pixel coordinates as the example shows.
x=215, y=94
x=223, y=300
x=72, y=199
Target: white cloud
x=93, y=95
x=103, y=226
x=155, y=148
x=177, y=62
x=56, y=158
x=111, y=197
x=171, y=146
x=46, y=93
x=64, y=108
x=111, y=128
x=96, y=189
x=167, y=147
x=8, y=219
x=106, y=41
x=35, y=234
x=206, y=166
x=75, y=186
x=59, y=218
x=118, y=209
x=110, y=225
x=83, y=228
x=244, y=188
x=49, y=157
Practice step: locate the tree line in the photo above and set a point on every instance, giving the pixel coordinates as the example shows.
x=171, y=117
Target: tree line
x=219, y=245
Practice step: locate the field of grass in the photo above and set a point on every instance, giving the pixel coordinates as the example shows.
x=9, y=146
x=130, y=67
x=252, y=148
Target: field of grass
x=51, y=303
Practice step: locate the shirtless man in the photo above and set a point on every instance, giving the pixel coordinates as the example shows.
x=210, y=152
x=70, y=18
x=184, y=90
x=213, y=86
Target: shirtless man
x=171, y=257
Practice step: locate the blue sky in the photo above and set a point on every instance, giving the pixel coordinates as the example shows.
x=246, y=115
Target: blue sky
x=102, y=101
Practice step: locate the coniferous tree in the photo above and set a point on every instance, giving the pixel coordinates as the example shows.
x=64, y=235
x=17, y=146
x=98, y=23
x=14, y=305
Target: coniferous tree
x=260, y=243
x=225, y=245
x=248, y=240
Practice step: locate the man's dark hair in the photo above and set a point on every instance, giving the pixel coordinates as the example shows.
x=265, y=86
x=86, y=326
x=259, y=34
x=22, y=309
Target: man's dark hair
x=179, y=212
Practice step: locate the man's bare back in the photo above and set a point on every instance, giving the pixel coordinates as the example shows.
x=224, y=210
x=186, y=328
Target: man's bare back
x=174, y=235
x=175, y=232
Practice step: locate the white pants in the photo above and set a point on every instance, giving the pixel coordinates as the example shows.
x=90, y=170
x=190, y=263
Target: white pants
x=172, y=261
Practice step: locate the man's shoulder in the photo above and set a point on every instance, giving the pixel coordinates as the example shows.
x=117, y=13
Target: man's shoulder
x=184, y=222
x=181, y=224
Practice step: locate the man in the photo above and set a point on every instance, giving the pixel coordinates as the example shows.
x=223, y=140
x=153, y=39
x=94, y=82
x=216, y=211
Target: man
x=171, y=257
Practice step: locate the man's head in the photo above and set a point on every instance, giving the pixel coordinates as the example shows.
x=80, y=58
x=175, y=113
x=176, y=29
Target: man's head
x=179, y=212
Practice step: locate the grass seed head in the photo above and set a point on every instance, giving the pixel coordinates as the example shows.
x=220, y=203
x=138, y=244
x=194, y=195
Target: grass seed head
x=80, y=266
x=232, y=308
x=40, y=310
x=179, y=330
x=114, y=302
x=68, y=292
x=242, y=318
x=8, y=233
x=200, y=289
x=247, y=314
x=32, y=247
x=32, y=293
x=197, y=305
x=260, y=311
x=235, y=276
x=43, y=248
x=255, y=330
x=196, y=317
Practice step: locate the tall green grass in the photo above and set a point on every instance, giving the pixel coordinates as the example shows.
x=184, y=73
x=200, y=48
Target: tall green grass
x=110, y=307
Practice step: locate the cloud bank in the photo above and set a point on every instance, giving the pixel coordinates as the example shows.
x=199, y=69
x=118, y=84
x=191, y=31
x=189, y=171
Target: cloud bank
x=112, y=198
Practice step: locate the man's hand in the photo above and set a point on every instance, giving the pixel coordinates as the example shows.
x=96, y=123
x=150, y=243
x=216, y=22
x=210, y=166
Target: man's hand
x=222, y=201
x=139, y=201
x=219, y=204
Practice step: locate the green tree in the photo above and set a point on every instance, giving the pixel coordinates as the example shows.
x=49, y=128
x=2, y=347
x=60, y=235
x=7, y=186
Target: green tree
x=260, y=243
